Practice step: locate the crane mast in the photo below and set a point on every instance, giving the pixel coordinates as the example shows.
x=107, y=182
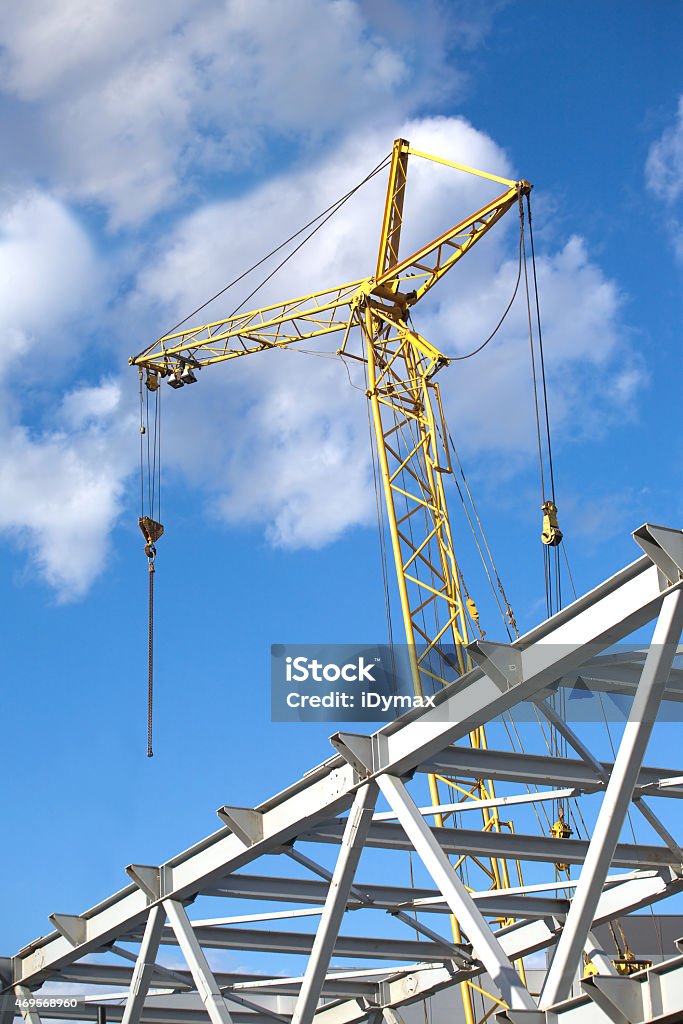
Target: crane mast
x=412, y=456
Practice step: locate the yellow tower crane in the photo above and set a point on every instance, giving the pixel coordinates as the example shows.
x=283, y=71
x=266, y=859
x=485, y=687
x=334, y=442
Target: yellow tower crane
x=410, y=433
x=407, y=413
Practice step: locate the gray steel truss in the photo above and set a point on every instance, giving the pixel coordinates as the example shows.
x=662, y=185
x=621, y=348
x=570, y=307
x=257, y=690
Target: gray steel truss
x=406, y=957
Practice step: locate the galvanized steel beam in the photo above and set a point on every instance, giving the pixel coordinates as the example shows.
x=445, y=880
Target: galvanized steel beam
x=207, y=986
x=543, y=770
x=603, y=845
x=145, y=965
x=486, y=946
x=355, y=832
x=511, y=846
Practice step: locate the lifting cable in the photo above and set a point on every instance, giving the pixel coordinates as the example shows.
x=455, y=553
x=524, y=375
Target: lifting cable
x=551, y=534
x=326, y=214
x=498, y=590
x=149, y=520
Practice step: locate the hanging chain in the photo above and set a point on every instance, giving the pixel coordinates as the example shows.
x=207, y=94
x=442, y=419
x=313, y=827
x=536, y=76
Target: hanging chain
x=150, y=661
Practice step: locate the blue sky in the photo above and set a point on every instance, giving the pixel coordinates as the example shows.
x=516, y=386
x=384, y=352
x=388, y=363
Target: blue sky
x=156, y=150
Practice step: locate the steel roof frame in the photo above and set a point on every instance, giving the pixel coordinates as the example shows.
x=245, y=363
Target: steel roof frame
x=334, y=804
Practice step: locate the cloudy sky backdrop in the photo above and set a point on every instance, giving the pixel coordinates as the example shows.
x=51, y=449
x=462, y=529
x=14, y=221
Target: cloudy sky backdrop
x=152, y=152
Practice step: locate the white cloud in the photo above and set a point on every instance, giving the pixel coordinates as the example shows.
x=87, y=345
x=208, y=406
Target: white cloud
x=132, y=106
x=282, y=440
x=61, y=47
x=664, y=175
x=90, y=405
x=137, y=100
x=664, y=166
x=221, y=239
x=60, y=493
x=48, y=271
x=60, y=486
x=591, y=373
x=300, y=466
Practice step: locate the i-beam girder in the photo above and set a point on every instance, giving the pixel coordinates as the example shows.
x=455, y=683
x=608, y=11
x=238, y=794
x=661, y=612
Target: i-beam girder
x=562, y=648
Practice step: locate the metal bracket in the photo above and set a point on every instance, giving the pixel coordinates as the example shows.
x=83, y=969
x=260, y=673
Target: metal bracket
x=502, y=663
x=620, y=998
x=357, y=750
x=71, y=926
x=665, y=547
x=244, y=822
x=147, y=878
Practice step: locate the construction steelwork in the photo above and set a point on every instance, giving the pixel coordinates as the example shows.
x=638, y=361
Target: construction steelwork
x=258, y=855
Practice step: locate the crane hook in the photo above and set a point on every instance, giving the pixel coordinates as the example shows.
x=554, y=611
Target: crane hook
x=551, y=533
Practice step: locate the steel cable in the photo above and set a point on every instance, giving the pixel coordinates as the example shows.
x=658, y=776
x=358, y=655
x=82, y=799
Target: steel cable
x=332, y=209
